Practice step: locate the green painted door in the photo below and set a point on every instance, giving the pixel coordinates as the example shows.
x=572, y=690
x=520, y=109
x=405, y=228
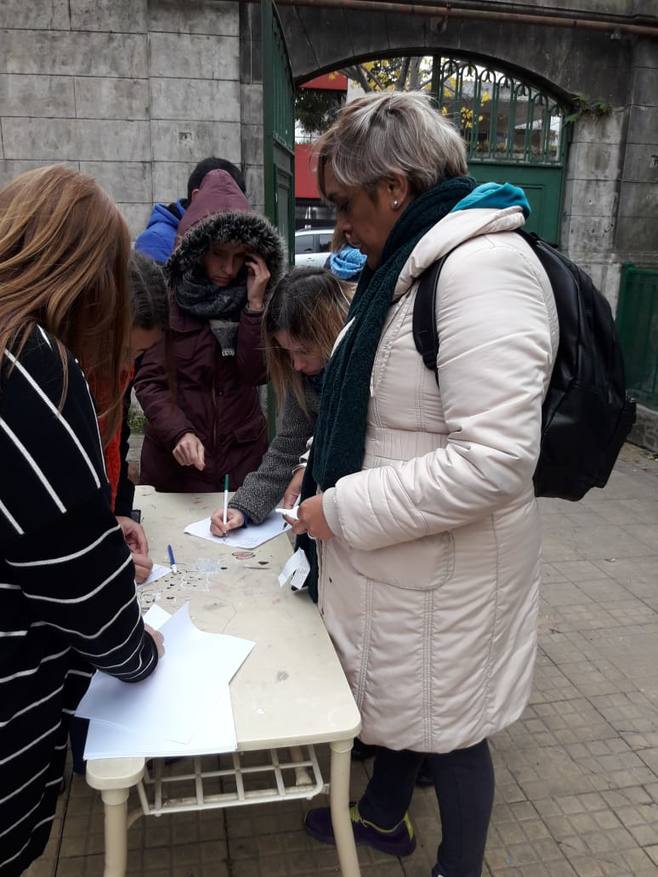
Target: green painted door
x=637, y=324
x=514, y=132
x=278, y=128
x=543, y=188
x=278, y=143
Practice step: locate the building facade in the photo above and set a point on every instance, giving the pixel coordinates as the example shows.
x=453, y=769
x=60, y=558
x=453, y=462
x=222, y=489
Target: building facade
x=135, y=92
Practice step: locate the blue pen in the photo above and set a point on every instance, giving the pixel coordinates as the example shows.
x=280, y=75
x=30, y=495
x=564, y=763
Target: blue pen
x=172, y=559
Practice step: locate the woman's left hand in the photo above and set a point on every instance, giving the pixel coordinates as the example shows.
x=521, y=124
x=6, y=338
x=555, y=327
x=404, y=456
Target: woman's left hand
x=311, y=520
x=134, y=535
x=143, y=567
x=258, y=276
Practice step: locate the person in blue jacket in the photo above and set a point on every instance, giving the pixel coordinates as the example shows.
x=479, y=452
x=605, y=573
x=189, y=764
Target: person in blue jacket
x=158, y=238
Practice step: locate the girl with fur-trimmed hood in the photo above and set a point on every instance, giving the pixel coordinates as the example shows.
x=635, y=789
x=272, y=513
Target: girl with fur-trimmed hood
x=199, y=390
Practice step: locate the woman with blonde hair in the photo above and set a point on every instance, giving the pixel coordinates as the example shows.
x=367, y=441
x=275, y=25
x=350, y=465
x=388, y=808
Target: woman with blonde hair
x=67, y=598
x=302, y=319
x=419, y=488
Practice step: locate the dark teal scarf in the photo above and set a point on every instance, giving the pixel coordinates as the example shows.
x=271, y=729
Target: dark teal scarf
x=340, y=432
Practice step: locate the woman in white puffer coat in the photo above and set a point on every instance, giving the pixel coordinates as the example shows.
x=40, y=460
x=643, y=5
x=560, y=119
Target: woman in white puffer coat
x=425, y=517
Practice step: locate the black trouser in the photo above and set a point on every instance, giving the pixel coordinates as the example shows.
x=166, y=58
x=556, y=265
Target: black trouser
x=464, y=783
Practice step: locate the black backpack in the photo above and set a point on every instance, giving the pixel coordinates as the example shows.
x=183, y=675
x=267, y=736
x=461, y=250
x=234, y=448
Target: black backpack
x=586, y=414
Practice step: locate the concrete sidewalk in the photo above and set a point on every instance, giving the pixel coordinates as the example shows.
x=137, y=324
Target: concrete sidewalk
x=577, y=776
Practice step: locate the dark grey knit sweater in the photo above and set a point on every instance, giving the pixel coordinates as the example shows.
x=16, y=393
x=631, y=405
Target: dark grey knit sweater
x=263, y=489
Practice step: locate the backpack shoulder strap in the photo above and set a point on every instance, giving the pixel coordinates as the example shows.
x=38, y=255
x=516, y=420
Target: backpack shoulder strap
x=426, y=336
x=529, y=236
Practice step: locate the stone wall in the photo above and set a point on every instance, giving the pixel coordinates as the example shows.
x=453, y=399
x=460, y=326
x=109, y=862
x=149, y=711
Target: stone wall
x=591, y=198
x=134, y=92
x=645, y=431
x=610, y=209
x=611, y=192
x=637, y=228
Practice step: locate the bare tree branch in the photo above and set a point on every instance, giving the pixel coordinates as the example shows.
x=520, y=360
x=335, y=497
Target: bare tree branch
x=360, y=74
x=381, y=85
x=414, y=73
x=356, y=74
x=402, y=74
x=402, y=77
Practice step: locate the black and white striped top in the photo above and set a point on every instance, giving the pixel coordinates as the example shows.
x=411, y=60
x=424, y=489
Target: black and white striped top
x=67, y=593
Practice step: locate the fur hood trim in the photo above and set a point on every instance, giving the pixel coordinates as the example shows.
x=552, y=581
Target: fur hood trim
x=248, y=228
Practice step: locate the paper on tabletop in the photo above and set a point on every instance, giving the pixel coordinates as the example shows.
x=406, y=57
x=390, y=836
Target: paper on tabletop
x=247, y=537
x=175, y=700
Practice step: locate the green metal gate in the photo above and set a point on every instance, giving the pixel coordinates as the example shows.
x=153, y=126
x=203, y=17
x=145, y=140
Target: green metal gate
x=278, y=127
x=278, y=143
x=515, y=133
x=637, y=323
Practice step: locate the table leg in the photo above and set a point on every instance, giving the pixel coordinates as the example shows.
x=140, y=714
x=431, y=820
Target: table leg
x=339, y=799
x=302, y=776
x=115, y=802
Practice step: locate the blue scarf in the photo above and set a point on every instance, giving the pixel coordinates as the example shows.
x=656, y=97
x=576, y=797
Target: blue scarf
x=347, y=263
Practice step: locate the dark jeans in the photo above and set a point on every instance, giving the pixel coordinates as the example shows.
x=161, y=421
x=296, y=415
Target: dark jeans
x=464, y=783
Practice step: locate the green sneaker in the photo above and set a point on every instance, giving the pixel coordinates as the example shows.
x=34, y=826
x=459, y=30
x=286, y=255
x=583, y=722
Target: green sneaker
x=397, y=841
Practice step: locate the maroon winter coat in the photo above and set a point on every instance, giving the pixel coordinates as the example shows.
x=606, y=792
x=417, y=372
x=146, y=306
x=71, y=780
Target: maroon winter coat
x=185, y=384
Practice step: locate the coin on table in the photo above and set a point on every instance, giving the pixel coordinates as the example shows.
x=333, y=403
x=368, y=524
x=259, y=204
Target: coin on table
x=243, y=555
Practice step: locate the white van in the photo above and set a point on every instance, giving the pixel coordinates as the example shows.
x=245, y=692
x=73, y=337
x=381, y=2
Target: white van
x=312, y=247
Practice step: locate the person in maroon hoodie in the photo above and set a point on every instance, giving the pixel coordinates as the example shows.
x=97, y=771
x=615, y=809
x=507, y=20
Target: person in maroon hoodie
x=199, y=387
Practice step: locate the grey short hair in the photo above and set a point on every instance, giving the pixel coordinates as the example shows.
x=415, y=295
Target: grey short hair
x=389, y=133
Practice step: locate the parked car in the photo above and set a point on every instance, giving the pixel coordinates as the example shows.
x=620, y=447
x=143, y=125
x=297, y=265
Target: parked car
x=312, y=247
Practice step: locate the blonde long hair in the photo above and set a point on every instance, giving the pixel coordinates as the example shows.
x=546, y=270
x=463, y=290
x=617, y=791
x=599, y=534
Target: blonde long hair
x=311, y=305
x=64, y=250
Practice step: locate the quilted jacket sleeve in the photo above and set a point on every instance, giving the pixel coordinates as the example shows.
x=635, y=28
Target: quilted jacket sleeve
x=167, y=420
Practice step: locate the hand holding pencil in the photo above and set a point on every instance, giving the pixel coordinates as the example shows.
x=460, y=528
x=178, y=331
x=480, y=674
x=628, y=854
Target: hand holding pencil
x=228, y=519
x=234, y=520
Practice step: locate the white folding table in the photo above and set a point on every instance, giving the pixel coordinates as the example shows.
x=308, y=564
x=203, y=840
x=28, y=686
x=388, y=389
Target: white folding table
x=290, y=694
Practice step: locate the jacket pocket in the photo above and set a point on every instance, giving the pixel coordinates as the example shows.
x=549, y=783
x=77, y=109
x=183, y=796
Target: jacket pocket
x=250, y=432
x=421, y=565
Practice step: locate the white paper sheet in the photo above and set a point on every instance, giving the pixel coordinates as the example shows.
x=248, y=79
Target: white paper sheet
x=156, y=617
x=158, y=572
x=174, y=701
x=296, y=569
x=215, y=735
x=247, y=538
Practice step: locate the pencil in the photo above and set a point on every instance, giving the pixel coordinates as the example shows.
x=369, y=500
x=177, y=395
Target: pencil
x=226, y=481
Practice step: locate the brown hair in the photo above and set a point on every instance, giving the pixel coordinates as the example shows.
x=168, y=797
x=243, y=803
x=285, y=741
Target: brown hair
x=149, y=296
x=64, y=250
x=311, y=305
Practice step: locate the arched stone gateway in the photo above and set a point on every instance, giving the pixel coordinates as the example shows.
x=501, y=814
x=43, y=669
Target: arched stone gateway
x=600, y=186
x=609, y=172
x=571, y=61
